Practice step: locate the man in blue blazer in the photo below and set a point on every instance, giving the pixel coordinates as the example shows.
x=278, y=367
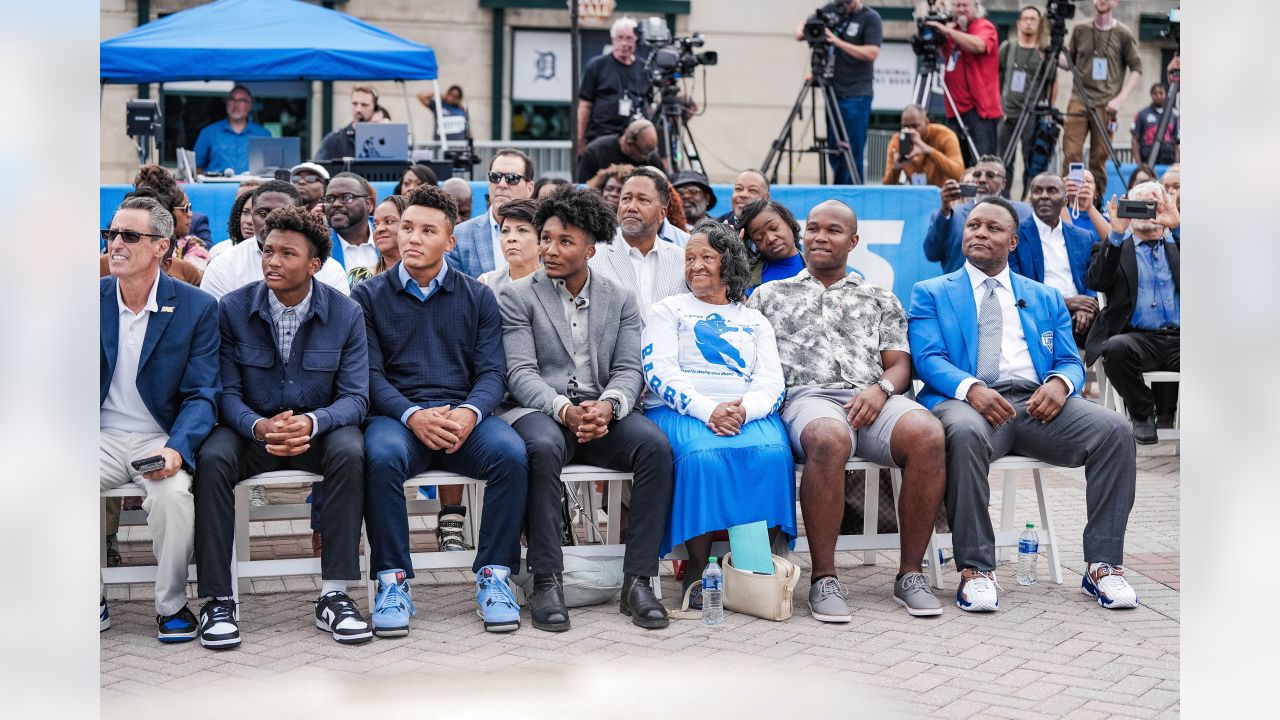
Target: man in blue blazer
x=946, y=227
x=1056, y=253
x=478, y=246
x=1002, y=373
x=159, y=382
x=295, y=378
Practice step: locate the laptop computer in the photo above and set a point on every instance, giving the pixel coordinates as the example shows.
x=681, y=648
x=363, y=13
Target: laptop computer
x=382, y=141
x=270, y=153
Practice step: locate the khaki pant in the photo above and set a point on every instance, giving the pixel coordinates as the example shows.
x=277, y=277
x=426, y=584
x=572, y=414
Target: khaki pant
x=169, y=505
x=1077, y=125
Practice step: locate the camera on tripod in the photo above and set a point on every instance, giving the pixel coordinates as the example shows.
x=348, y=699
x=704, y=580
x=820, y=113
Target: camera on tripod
x=672, y=56
x=827, y=17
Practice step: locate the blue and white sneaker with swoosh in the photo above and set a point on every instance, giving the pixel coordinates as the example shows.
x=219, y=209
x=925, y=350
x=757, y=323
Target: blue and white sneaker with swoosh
x=495, y=604
x=979, y=593
x=1110, y=589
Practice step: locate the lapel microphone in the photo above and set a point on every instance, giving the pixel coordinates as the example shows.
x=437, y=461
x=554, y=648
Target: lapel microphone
x=581, y=302
x=1022, y=304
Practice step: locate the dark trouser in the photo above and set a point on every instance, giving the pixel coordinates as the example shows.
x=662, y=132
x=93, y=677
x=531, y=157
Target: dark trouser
x=1082, y=434
x=226, y=458
x=1126, y=356
x=1026, y=142
x=983, y=132
x=493, y=453
x=855, y=111
x=633, y=444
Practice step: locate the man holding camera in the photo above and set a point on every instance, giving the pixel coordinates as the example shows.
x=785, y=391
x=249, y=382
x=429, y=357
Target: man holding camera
x=972, y=75
x=856, y=43
x=927, y=154
x=942, y=243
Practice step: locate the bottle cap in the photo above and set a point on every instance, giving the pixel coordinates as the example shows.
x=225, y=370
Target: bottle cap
x=1031, y=526
x=711, y=559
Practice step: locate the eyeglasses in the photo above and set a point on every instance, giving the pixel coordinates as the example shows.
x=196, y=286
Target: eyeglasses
x=344, y=198
x=511, y=178
x=129, y=236
x=184, y=208
x=987, y=173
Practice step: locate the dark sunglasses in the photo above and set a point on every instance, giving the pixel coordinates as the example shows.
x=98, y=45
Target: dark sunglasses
x=987, y=173
x=129, y=236
x=511, y=178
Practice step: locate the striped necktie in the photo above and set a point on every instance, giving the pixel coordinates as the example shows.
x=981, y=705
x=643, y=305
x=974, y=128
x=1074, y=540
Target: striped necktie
x=990, y=330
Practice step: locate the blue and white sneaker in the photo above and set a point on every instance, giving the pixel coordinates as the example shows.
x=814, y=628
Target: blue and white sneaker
x=219, y=625
x=178, y=627
x=1111, y=590
x=393, y=605
x=979, y=593
x=104, y=619
x=494, y=602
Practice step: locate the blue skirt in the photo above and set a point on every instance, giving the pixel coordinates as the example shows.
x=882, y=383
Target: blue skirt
x=725, y=481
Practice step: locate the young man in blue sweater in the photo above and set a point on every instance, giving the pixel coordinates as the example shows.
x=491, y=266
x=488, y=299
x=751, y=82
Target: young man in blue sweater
x=437, y=371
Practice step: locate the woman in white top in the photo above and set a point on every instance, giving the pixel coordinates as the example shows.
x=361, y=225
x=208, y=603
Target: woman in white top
x=714, y=387
x=519, y=244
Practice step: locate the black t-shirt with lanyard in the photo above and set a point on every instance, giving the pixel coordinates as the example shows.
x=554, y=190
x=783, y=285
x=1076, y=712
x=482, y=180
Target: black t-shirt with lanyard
x=1018, y=68
x=853, y=77
x=615, y=91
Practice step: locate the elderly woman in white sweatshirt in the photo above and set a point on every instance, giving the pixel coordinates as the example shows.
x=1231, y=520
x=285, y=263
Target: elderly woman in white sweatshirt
x=714, y=387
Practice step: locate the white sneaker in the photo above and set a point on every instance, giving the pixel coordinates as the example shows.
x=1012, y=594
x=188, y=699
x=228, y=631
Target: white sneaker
x=979, y=593
x=1111, y=590
x=258, y=496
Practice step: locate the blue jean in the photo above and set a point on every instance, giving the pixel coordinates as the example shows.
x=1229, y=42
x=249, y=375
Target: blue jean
x=393, y=454
x=856, y=112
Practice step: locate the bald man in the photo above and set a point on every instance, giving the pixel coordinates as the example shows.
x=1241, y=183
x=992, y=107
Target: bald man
x=637, y=145
x=460, y=191
x=750, y=185
x=932, y=158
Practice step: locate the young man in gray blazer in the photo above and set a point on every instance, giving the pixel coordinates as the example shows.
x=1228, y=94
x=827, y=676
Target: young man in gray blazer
x=572, y=339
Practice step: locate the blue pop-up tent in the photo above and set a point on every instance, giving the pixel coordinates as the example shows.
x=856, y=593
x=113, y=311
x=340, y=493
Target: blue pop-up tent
x=252, y=40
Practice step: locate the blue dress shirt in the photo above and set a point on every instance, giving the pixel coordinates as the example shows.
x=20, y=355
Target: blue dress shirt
x=218, y=147
x=1157, y=305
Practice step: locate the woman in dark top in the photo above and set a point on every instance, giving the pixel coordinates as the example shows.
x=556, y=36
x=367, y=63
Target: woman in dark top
x=415, y=177
x=772, y=236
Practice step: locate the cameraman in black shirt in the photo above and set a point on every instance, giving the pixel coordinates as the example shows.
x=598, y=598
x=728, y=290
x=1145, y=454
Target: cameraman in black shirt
x=856, y=42
x=613, y=87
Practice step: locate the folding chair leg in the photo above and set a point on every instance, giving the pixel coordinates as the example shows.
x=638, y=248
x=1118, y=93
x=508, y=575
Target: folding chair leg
x=613, y=526
x=366, y=562
x=1046, y=520
x=1008, y=504
x=235, y=575
x=870, y=512
x=656, y=582
x=241, y=545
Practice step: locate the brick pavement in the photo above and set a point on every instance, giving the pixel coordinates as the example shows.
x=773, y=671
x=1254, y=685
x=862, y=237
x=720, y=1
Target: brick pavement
x=1049, y=652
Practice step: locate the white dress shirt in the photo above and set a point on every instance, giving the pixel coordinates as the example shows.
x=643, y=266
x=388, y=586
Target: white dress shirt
x=363, y=255
x=495, y=233
x=242, y=264
x=1015, y=356
x=1057, y=265
x=123, y=410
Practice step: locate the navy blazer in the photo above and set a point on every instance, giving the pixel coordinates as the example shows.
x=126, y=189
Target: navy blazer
x=942, y=327
x=943, y=243
x=473, y=251
x=1028, y=258
x=328, y=369
x=178, y=365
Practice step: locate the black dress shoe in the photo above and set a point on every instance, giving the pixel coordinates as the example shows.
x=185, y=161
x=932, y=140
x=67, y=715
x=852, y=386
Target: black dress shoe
x=639, y=602
x=546, y=604
x=1144, y=431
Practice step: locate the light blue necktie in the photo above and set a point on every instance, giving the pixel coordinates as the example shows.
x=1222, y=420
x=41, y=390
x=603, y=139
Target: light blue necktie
x=990, y=330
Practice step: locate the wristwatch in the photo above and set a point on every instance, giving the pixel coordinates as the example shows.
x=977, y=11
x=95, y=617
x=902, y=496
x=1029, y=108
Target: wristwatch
x=617, y=406
x=886, y=386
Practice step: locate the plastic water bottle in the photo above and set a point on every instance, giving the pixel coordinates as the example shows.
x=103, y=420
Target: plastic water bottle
x=1028, y=554
x=712, y=593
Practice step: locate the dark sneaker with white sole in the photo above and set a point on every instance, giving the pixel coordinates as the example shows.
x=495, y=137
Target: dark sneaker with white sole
x=219, y=627
x=104, y=619
x=178, y=627
x=912, y=592
x=336, y=614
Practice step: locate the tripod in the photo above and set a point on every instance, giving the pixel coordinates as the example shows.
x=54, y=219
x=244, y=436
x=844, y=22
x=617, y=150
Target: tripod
x=823, y=69
x=1038, y=96
x=676, y=145
x=926, y=78
x=1163, y=125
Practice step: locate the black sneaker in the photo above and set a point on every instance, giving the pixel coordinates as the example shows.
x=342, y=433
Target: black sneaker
x=336, y=613
x=113, y=551
x=178, y=627
x=104, y=618
x=218, y=628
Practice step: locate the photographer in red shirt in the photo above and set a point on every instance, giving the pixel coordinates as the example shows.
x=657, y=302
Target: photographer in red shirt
x=972, y=67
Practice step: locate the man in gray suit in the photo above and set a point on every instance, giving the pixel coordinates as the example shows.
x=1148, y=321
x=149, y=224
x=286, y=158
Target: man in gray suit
x=650, y=268
x=479, y=243
x=572, y=339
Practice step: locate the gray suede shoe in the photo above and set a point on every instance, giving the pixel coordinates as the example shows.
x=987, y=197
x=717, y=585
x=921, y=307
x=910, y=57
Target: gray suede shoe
x=827, y=601
x=913, y=593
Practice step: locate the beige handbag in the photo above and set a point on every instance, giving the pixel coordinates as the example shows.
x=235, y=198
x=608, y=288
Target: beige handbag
x=764, y=596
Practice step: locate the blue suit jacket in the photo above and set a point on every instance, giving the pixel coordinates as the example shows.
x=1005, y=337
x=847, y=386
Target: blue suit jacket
x=942, y=327
x=1028, y=258
x=473, y=253
x=943, y=242
x=328, y=369
x=178, y=365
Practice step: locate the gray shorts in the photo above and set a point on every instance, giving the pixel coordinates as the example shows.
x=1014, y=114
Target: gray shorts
x=806, y=404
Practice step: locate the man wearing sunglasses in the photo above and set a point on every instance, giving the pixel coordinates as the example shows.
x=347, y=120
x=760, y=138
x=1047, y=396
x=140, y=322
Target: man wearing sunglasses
x=946, y=227
x=479, y=241
x=158, y=384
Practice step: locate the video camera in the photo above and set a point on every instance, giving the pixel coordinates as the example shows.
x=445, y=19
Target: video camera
x=928, y=41
x=671, y=56
x=827, y=17
x=1172, y=27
